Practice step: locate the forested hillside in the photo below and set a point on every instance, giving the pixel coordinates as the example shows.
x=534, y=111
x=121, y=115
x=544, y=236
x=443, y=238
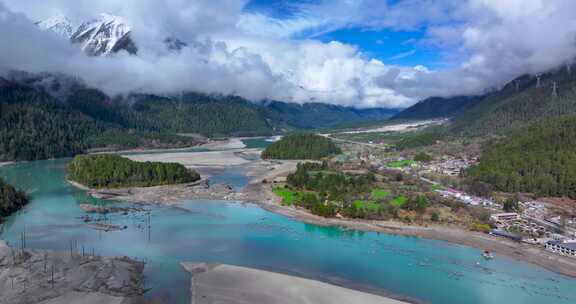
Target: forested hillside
x=525, y=100
x=11, y=200
x=34, y=125
x=540, y=158
x=199, y=113
x=114, y=171
x=301, y=146
x=320, y=115
x=47, y=116
x=438, y=107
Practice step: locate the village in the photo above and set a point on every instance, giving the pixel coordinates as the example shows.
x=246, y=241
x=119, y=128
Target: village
x=544, y=223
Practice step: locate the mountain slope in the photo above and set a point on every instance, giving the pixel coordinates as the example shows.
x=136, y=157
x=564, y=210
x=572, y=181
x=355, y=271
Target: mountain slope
x=320, y=115
x=540, y=158
x=60, y=24
x=199, y=113
x=524, y=100
x=49, y=115
x=35, y=126
x=438, y=107
x=104, y=35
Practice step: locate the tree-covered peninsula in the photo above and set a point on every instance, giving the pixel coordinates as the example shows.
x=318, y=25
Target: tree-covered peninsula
x=301, y=146
x=11, y=200
x=114, y=171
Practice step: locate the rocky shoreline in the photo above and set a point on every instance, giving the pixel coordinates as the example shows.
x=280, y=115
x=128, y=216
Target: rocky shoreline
x=170, y=194
x=50, y=277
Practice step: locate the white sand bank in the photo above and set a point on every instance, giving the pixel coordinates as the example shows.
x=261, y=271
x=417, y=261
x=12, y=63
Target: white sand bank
x=219, y=283
x=195, y=159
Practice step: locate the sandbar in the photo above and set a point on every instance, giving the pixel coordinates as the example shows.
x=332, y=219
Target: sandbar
x=221, y=283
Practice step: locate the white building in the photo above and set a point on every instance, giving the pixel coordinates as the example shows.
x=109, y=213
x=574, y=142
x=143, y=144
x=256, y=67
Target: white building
x=567, y=248
x=505, y=217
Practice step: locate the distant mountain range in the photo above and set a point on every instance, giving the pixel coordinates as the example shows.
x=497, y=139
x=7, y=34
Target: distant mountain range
x=321, y=115
x=524, y=100
x=47, y=115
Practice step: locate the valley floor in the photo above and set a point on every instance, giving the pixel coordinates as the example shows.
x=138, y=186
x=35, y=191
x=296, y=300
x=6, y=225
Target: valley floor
x=261, y=194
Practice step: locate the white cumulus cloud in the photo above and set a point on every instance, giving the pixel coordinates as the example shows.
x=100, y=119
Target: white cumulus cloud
x=484, y=43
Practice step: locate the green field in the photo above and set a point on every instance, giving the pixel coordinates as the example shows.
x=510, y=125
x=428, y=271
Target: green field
x=378, y=194
x=401, y=163
x=437, y=187
x=399, y=201
x=366, y=205
x=408, y=187
x=288, y=196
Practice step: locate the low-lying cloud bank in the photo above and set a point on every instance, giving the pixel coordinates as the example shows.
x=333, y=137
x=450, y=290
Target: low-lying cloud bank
x=486, y=43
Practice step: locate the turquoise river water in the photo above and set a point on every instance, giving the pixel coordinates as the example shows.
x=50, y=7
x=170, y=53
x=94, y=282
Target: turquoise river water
x=424, y=270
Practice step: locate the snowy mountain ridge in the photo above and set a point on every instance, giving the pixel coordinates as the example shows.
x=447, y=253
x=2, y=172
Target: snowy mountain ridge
x=104, y=35
x=59, y=24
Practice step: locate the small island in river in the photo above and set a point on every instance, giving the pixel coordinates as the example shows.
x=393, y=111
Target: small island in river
x=301, y=146
x=114, y=171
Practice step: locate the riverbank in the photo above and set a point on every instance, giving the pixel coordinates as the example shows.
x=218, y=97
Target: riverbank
x=170, y=195
x=5, y=163
x=259, y=192
x=451, y=234
x=50, y=277
x=220, y=283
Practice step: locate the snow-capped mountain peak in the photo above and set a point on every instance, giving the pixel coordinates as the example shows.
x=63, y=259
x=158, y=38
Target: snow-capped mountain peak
x=59, y=24
x=104, y=35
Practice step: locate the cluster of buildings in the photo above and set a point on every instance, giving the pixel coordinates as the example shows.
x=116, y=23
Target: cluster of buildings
x=535, y=222
x=450, y=166
x=532, y=223
x=514, y=222
x=534, y=209
x=465, y=198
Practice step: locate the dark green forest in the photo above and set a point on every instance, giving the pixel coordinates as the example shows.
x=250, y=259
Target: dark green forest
x=540, y=158
x=114, y=171
x=34, y=125
x=518, y=104
x=11, y=200
x=438, y=107
x=327, y=192
x=321, y=185
x=212, y=116
x=301, y=146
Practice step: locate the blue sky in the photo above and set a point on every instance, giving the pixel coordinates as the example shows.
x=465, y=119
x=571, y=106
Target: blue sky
x=391, y=53
x=392, y=47
x=396, y=47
